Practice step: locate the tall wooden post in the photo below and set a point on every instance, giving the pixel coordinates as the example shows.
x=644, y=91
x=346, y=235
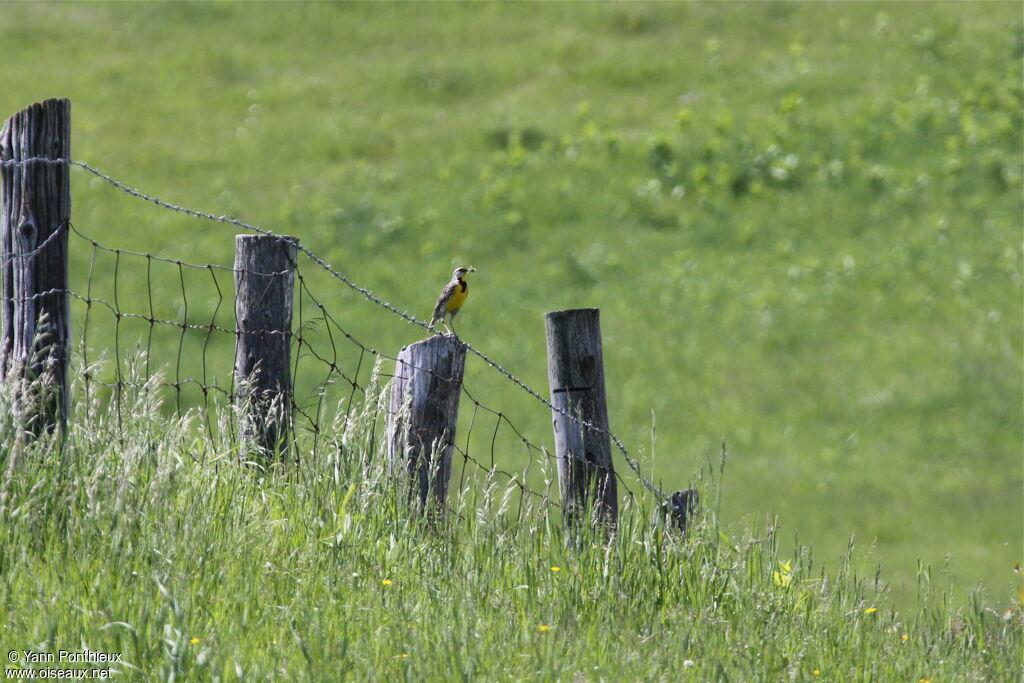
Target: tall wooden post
x=582, y=445
x=34, y=310
x=423, y=414
x=264, y=288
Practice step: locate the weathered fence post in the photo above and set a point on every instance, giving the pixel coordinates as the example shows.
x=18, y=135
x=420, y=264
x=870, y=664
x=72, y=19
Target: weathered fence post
x=679, y=509
x=576, y=376
x=264, y=287
x=36, y=317
x=423, y=414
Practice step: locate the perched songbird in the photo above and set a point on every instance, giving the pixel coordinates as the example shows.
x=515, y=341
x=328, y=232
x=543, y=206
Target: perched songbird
x=452, y=297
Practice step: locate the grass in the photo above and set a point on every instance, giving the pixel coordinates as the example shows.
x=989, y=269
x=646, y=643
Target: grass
x=151, y=542
x=801, y=223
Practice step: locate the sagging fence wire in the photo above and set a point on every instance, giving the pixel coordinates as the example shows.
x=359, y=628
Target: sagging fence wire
x=326, y=355
x=305, y=342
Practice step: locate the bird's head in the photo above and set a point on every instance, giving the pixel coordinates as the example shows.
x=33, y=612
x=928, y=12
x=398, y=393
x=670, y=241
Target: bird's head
x=461, y=271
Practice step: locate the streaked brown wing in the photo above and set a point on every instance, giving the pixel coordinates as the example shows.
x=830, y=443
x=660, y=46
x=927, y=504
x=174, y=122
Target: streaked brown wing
x=446, y=294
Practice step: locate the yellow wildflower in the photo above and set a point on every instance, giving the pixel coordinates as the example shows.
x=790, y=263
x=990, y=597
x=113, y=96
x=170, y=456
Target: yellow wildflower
x=783, y=577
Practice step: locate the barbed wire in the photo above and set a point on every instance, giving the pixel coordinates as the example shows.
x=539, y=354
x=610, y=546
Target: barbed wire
x=368, y=294
x=305, y=346
x=30, y=160
x=57, y=231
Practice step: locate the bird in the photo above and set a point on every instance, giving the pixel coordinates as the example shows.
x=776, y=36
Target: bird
x=453, y=295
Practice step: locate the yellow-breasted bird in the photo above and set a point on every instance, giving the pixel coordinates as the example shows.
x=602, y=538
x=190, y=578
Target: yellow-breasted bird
x=452, y=297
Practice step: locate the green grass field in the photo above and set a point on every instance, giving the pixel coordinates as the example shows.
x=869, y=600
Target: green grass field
x=801, y=222
x=152, y=542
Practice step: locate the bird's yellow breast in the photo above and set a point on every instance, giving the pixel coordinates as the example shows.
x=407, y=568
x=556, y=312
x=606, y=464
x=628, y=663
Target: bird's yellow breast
x=458, y=296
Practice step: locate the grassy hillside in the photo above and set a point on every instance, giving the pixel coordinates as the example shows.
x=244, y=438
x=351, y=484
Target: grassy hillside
x=801, y=222
x=159, y=546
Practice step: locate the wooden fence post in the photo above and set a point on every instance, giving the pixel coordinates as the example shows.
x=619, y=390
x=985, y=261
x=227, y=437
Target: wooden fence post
x=576, y=376
x=423, y=414
x=34, y=309
x=264, y=287
x=679, y=509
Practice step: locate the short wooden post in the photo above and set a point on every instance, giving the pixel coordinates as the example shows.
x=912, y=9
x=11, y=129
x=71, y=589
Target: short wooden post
x=679, y=509
x=36, y=317
x=423, y=414
x=264, y=288
x=583, y=441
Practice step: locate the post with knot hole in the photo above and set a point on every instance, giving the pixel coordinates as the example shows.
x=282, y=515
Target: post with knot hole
x=423, y=413
x=582, y=439
x=35, y=148
x=264, y=292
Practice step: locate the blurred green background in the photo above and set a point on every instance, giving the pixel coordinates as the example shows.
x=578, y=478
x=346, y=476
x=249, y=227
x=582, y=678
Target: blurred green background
x=801, y=223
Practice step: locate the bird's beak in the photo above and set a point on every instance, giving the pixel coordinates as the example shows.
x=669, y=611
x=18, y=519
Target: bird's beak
x=472, y=269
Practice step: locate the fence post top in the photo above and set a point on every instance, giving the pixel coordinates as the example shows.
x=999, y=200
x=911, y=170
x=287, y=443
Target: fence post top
x=245, y=237
x=45, y=104
x=573, y=311
x=49, y=101
x=441, y=340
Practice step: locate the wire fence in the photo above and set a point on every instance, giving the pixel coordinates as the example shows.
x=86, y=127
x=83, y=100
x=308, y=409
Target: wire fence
x=331, y=367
